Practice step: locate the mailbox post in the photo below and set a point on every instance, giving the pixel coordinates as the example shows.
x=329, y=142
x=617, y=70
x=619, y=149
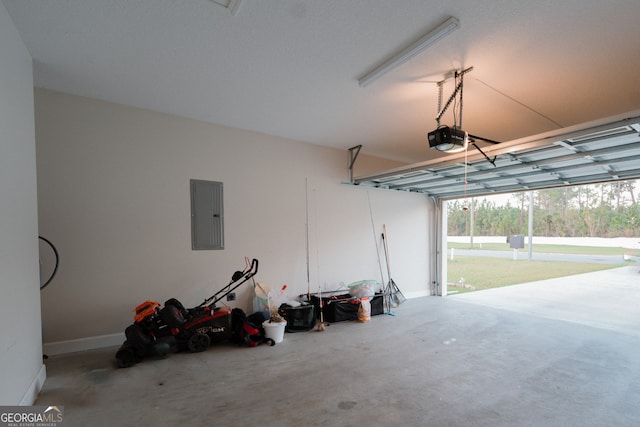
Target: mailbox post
x=516, y=241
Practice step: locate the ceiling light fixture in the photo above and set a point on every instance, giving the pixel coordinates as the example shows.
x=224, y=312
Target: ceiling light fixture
x=424, y=42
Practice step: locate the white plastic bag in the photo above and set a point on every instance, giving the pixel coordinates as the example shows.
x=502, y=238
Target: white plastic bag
x=364, y=288
x=261, y=300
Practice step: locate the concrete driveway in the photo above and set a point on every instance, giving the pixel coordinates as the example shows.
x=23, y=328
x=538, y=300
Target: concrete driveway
x=608, y=299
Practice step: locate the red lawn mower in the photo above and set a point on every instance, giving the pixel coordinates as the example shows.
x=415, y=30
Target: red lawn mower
x=157, y=331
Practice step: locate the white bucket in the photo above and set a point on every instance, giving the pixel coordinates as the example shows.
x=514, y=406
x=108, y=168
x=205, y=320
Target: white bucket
x=274, y=330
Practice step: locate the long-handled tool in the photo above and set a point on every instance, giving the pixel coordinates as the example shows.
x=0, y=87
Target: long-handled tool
x=373, y=229
x=306, y=225
x=395, y=295
x=320, y=327
x=385, y=291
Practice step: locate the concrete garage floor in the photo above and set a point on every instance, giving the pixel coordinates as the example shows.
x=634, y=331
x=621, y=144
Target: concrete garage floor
x=452, y=361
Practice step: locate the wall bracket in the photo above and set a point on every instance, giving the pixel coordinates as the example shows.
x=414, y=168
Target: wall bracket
x=353, y=155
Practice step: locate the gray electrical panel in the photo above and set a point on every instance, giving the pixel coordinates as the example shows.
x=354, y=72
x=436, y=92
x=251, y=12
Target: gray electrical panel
x=207, y=219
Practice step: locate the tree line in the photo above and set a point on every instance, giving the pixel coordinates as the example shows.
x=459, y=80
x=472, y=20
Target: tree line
x=597, y=210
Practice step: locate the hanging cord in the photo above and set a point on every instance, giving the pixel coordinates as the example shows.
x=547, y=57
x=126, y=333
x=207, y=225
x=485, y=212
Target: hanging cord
x=57, y=262
x=466, y=153
x=466, y=139
x=461, y=89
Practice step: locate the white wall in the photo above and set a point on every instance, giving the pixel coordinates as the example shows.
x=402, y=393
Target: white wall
x=21, y=367
x=113, y=193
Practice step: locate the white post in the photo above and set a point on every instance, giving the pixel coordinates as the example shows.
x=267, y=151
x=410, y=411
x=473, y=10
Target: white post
x=471, y=222
x=530, y=225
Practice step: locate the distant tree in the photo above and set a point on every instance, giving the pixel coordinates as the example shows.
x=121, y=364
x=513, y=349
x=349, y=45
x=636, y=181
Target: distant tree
x=600, y=210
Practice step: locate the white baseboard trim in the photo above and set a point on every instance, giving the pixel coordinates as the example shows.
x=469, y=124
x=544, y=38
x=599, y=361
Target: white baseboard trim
x=418, y=294
x=32, y=392
x=82, y=344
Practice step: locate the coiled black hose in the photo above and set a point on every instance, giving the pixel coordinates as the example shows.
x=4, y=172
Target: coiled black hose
x=55, y=268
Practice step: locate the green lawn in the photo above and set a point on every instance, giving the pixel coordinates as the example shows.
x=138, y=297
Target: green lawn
x=488, y=272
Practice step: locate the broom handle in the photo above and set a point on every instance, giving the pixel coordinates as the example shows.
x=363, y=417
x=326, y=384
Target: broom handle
x=386, y=249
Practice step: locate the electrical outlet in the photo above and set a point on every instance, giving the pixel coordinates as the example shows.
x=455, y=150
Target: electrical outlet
x=231, y=296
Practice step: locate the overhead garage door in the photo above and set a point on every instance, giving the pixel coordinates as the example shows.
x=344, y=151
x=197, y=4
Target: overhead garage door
x=607, y=150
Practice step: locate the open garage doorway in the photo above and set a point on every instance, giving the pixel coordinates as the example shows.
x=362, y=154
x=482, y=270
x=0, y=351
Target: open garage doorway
x=583, y=264
x=507, y=239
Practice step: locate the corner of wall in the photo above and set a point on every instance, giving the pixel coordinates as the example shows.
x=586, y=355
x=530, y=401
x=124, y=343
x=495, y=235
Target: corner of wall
x=36, y=385
x=22, y=370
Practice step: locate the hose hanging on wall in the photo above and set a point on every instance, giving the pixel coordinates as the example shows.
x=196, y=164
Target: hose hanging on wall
x=56, y=263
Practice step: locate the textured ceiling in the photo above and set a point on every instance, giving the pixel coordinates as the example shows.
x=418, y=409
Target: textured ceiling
x=290, y=67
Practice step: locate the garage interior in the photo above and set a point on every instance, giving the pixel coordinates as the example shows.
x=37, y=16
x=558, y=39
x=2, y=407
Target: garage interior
x=109, y=109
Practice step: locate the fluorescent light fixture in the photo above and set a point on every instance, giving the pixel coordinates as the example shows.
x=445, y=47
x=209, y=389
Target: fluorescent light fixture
x=410, y=51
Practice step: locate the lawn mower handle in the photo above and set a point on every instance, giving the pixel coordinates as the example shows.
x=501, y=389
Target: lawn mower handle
x=253, y=270
x=239, y=277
